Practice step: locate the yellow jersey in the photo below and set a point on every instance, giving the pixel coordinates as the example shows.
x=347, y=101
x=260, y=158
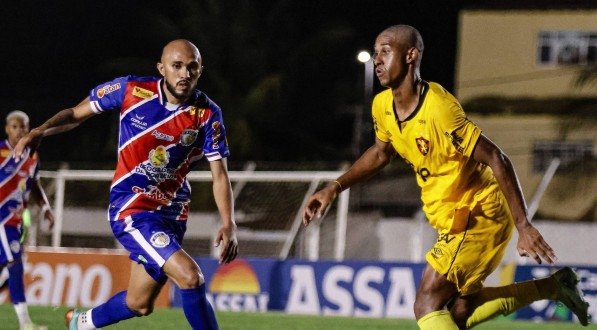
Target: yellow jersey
x=437, y=140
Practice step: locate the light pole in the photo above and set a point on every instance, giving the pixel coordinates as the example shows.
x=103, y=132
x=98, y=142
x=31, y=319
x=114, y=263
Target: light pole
x=365, y=58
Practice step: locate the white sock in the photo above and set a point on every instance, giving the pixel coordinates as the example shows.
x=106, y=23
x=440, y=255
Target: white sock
x=22, y=313
x=85, y=322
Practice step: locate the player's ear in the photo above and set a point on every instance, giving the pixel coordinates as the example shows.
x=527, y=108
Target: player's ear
x=160, y=67
x=412, y=55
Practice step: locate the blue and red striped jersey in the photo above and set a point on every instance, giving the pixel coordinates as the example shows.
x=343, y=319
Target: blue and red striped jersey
x=16, y=180
x=159, y=143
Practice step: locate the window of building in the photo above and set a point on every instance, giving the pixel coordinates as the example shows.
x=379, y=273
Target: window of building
x=571, y=154
x=567, y=48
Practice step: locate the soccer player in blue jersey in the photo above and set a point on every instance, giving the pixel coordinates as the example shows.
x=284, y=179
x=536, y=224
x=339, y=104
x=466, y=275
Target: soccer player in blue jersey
x=469, y=190
x=166, y=126
x=18, y=181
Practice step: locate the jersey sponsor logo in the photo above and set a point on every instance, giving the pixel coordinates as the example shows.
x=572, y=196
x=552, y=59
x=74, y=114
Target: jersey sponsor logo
x=160, y=239
x=4, y=153
x=156, y=169
x=216, y=135
x=422, y=145
x=422, y=172
x=456, y=140
x=9, y=169
x=445, y=237
x=196, y=111
x=152, y=192
x=142, y=92
x=159, y=157
x=437, y=253
x=162, y=136
x=156, y=174
x=137, y=121
x=188, y=136
x=103, y=91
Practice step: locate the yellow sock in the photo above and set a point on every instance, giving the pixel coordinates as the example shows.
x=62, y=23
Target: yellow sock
x=490, y=302
x=438, y=320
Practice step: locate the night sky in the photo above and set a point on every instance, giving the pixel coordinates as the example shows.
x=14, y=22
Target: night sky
x=284, y=72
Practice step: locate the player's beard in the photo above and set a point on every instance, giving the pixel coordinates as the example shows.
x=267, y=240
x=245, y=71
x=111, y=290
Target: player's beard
x=179, y=95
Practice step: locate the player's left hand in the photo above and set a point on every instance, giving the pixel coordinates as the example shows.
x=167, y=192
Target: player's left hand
x=31, y=139
x=531, y=244
x=49, y=216
x=229, y=249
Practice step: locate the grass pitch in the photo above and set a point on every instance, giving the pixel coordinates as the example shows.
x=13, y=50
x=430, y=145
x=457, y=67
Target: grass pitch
x=166, y=319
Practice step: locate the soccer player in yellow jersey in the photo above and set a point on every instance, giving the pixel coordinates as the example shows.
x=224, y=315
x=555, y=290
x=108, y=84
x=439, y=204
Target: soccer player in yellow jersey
x=470, y=194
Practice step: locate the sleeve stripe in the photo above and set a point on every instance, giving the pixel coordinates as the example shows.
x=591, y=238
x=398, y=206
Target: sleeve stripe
x=95, y=106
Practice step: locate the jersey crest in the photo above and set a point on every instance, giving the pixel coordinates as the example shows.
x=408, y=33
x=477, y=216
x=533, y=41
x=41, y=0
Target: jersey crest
x=422, y=145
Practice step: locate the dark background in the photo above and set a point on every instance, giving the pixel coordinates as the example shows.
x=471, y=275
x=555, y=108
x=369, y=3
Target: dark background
x=284, y=72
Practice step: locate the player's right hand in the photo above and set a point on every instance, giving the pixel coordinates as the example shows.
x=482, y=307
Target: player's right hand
x=31, y=139
x=318, y=204
x=226, y=236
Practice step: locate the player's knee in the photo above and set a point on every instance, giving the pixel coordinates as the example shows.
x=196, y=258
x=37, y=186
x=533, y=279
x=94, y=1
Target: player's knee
x=140, y=307
x=420, y=308
x=461, y=311
x=460, y=319
x=424, y=305
x=191, y=279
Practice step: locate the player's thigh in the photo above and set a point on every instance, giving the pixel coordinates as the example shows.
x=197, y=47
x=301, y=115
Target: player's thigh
x=142, y=289
x=434, y=292
x=183, y=270
x=150, y=240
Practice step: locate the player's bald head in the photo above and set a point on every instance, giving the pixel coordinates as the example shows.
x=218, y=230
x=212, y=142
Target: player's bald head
x=180, y=46
x=406, y=36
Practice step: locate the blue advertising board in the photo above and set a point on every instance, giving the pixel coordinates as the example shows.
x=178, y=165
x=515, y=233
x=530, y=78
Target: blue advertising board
x=350, y=288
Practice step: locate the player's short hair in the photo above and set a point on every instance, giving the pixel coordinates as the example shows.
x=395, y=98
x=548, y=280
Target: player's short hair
x=412, y=35
x=18, y=114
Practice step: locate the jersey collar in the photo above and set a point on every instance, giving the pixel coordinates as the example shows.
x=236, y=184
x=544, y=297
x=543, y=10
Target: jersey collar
x=422, y=95
x=173, y=107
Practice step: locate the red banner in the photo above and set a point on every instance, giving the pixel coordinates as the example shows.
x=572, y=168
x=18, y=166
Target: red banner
x=77, y=277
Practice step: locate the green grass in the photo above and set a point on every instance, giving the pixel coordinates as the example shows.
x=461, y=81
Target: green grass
x=166, y=319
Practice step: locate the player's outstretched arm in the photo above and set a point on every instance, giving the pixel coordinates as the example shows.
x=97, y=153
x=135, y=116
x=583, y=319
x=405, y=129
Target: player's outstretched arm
x=370, y=162
x=63, y=121
x=222, y=190
x=530, y=241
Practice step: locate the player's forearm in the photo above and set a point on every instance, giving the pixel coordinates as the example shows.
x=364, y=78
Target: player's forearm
x=510, y=186
x=365, y=167
x=63, y=121
x=222, y=192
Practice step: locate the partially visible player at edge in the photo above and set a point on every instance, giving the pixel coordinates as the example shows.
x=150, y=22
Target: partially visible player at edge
x=166, y=126
x=470, y=194
x=19, y=180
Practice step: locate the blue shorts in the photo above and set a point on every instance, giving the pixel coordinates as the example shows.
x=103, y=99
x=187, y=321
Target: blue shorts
x=10, y=244
x=150, y=239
